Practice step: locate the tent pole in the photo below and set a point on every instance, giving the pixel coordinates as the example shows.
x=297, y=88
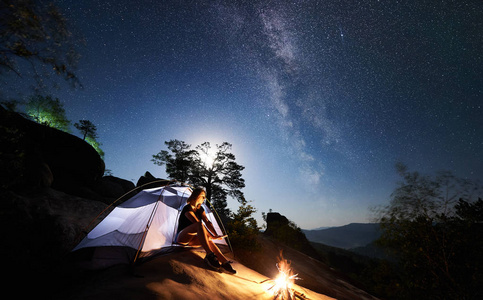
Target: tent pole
x=148, y=225
x=222, y=226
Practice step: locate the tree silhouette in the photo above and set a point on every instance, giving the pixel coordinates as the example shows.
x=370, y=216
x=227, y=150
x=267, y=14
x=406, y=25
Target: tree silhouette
x=216, y=170
x=89, y=132
x=219, y=173
x=179, y=160
x=36, y=32
x=243, y=228
x=433, y=226
x=87, y=128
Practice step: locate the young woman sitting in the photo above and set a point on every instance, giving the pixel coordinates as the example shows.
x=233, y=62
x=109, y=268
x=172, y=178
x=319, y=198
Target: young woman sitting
x=192, y=232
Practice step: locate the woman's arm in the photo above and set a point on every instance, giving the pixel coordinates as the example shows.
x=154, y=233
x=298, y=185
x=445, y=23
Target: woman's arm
x=191, y=216
x=211, y=228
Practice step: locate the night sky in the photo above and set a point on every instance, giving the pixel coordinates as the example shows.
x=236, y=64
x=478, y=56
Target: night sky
x=320, y=99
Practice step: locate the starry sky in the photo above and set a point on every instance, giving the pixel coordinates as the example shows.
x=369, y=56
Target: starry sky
x=319, y=99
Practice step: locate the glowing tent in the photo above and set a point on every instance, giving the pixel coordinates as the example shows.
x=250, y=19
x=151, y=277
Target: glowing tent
x=140, y=227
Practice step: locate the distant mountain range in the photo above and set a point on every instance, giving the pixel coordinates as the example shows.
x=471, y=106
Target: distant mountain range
x=349, y=236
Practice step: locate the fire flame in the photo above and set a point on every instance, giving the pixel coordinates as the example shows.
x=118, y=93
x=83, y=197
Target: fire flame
x=283, y=283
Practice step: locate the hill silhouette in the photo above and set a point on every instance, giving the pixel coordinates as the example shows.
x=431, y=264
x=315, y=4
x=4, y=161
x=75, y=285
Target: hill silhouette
x=350, y=236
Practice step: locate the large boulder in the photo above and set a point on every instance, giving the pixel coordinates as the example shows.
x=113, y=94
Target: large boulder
x=39, y=155
x=112, y=187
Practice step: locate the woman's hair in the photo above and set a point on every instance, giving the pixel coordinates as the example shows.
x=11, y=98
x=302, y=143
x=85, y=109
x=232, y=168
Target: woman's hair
x=196, y=192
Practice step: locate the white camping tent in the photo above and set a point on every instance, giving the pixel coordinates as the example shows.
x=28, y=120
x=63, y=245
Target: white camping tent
x=140, y=227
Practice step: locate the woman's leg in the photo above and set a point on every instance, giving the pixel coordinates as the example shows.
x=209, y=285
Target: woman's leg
x=197, y=235
x=221, y=258
x=213, y=247
x=186, y=235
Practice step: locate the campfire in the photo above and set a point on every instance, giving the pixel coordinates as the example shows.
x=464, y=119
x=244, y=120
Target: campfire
x=282, y=285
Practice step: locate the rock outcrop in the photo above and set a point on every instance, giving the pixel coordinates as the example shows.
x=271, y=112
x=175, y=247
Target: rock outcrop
x=285, y=231
x=34, y=155
x=146, y=178
x=41, y=156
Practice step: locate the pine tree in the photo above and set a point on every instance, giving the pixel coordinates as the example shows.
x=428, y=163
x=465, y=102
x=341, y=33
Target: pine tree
x=87, y=128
